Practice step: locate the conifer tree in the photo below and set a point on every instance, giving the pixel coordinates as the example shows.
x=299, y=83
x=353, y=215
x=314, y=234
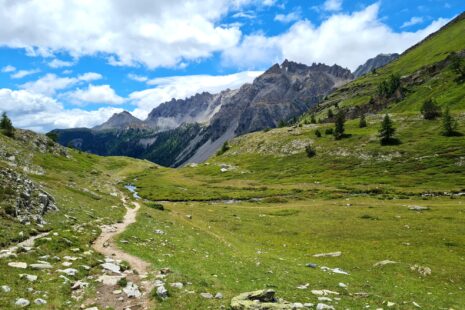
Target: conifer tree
x=430, y=110
x=6, y=126
x=363, y=122
x=387, y=130
x=339, y=125
x=449, y=125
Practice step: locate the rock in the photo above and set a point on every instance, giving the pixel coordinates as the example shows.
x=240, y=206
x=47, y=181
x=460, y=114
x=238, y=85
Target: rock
x=176, y=285
x=390, y=304
x=117, y=292
x=67, y=264
x=162, y=292
x=418, y=208
x=189, y=216
x=165, y=270
x=79, y=285
x=324, y=292
x=416, y=305
x=132, y=290
x=40, y=301
x=206, y=295
x=332, y=254
x=343, y=285
x=334, y=270
x=29, y=277
x=22, y=302
x=322, y=306
x=308, y=305
x=311, y=265
x=69, y=271
x=109, y=280
x=384, y=262
x=20, y=265
x=158, y=283
x=41, y=266
x=159, y=232
x=218, y=296
x=6, y=288
x=297, y=305
x=259, y=300
x=422, y=270
x=111, y=267
x=327, y=299
x=303, y=286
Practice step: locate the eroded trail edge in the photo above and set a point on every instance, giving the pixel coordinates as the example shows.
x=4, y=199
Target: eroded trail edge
x=110, y=293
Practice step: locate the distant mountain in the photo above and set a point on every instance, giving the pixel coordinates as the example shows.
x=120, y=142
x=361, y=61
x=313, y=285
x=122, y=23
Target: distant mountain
x=123, y=120
x=192, y=129
x=374, y=63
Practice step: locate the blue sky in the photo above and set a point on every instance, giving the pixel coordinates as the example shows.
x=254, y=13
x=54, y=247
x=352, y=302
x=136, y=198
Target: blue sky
x=69, y=63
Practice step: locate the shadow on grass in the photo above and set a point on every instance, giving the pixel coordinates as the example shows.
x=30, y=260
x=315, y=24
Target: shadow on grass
x=392, y=141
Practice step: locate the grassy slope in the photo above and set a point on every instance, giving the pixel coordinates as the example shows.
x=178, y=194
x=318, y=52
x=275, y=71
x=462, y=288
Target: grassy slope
x=353, y=197
x=66, y=179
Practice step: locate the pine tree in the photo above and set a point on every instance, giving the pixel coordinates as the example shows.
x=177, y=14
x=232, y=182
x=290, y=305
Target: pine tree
x=363, y=122
x=330, y=113
x=449, y=125
x=339, y=125
x=6, y=126
x=318, y=133
x=430, y=110
x=387, y=130
x=312, y=119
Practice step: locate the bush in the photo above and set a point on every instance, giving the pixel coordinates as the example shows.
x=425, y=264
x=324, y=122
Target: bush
x=312, y=119
x=329, y=131
x=363, y=122
x=449, y=125
x=458, y=65
x=430, y=110
x=223, y=149
x=330, y=113
x=387, y=88
x=123, y=282
x=310, y=151
x=317, y=133
x=52, y=136
x=156, y=206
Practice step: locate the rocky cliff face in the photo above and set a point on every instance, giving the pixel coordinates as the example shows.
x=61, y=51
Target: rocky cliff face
x=280, y=94
x=374, y=63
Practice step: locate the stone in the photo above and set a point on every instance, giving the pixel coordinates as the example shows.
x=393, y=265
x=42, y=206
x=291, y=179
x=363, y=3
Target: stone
x=259, y=300
x=20, y=265
x=343, y=285
x=206, y=295
x=311, y=265
x=384, y=263
x=390, y=304
x=327, y=299
x=416, y=304
x=332, y=254
x=117, y=292
x=22, y=302
x=159, y=232
x=132, y=290
x=111, y=267
x=418, y=208
x=109, y=280
x=334, y=270
x=297, y=305
x=69, y=271
x=6, y=288
x=79, y=285
x=322, y=306
x=67, y=264
x=189, y=216
x=40, y=301
x=41, y=266
x=162, y=292
x=218, y=296
x=324, y=292
x=422, y=270
x=303, y=286
x=29, y=277
x=177, y=285
x=158, y=283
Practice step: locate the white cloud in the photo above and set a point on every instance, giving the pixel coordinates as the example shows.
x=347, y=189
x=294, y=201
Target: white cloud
x=8, y=69
x=101, y=94
x=287, y=18
x=138, y=78
x=41, y=113
x=413, y=21
x=332, y=5
x=58, y=63
x=180, y=87
x=23, y=73
x=346, y=39
x=152, y=33
x=51, y=83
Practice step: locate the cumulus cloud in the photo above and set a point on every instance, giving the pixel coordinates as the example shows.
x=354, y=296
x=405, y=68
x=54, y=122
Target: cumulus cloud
x=42, y=113
x=413, y=21
x=332, y=5
x=138, y=78
x=152, y=33
x=287, y=18
x=23, y=73
x=101, y=94
x=58, y=63
x=8, y=69
x=346, y=39
x=51, y=83
x=180, y=87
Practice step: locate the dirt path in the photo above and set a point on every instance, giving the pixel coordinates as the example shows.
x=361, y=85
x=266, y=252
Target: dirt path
x=106, y=245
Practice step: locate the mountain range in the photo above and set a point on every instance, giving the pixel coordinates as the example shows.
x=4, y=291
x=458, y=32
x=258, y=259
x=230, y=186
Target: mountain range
x=190, y=130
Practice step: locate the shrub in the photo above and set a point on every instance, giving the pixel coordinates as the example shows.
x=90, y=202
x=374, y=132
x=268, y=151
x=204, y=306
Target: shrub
x=123, y=282
x=310, y=151
x=330, y=113
x=317, y=133
x=430, y=110
x=449, y=125
x=458, y=65
x=363, y=122
x=156, y=206
x=223, y=149
x=329, y=131
x=312, y=119
x=339, y=125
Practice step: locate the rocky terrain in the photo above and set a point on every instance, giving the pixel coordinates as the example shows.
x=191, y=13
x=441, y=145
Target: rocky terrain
x=374, y=63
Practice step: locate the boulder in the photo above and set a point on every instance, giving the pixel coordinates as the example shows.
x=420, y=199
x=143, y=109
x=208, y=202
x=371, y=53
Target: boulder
x=162, y=291
x=22, y=302
x=259, y=300
x=132, y=290
x=20, y=265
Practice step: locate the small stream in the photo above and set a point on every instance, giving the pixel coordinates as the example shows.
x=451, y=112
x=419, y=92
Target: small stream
x=133, y=190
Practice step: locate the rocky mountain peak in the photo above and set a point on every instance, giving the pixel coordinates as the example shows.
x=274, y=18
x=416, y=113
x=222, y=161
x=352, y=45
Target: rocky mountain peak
x=374, y=63
x=122, y=120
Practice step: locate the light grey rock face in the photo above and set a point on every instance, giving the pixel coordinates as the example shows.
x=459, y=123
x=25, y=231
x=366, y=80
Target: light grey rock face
x=121, y=121
x=374, y=63
x=26, y=202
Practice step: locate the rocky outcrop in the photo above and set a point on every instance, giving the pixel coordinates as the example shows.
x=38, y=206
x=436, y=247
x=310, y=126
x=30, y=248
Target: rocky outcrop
x=374, y=63
x=260, y=300
x=22, y=199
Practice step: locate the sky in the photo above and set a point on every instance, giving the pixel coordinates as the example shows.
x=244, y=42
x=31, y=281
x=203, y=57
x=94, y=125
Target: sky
x=73, y=63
